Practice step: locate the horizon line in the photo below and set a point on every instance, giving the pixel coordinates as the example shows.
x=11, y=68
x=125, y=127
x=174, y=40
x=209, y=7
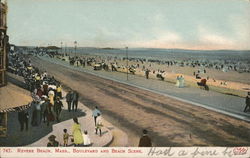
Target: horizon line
x=139, y=48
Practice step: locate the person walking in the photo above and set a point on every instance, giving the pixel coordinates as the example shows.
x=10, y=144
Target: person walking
x=45, y=88
x=95, y=113
x=77, y=133
x=51, y=95
x=44, y=108
x=99, y=124
x=59, y=91
x=69, y=100
x=39, y=111
x=34, y=109
x=177, y=81
x=247, y=107
x=147, y=73
x=58, y=108
x=181, y=82
x=23, y=118
x=75, y=97
x=145, y=141
x=49, y=114
x=65, y=137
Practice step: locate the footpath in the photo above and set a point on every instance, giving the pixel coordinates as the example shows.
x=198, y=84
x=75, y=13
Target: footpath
x=86, y=121
x=222, y=103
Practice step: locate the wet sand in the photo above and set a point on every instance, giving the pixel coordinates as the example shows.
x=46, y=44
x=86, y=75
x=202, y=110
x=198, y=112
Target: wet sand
x=170, y=122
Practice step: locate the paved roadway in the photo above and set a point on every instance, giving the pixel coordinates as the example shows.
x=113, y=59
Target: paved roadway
x=171, y=121
x=226, y=104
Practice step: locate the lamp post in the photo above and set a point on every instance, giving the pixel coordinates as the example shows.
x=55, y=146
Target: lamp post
x=75, y=47
x=65, y=49
x=61, y=48
x=127, y=61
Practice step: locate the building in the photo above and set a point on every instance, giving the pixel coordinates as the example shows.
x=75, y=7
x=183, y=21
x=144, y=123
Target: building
x=3, y=59
x=12, y=98
x=3, y=43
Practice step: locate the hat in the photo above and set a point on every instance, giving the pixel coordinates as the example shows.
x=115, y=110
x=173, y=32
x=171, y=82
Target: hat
x=52, y=137
x=44, y=96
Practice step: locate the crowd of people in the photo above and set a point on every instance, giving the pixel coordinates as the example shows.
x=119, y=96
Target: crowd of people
x=36, y=81
x=45, y=90
x=78, y=137
x=112, y=64
x=47, y=103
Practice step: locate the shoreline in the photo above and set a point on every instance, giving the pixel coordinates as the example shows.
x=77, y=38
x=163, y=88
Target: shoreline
x=228, y=87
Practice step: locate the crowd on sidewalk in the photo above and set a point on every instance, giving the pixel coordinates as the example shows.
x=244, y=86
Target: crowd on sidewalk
x=45, y=90
x=47, y=103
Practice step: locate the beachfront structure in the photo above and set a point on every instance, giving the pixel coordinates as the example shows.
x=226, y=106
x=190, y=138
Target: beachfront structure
x=3, y=60
x=3, y=43
x=12, y=98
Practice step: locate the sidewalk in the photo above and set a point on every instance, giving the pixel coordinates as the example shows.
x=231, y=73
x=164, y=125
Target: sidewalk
x=87, y=123
x=226, y=104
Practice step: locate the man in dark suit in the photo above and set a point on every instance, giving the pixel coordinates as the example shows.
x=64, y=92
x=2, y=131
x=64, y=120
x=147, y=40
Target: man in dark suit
x=247, y=107
x=145, y=141
x=147, y=73
x=23, y=118
x=58, y=108
x=69, y=97
x=75, y=97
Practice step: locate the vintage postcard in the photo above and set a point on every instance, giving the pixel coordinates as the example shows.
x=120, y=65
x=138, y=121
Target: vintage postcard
x=125, y=78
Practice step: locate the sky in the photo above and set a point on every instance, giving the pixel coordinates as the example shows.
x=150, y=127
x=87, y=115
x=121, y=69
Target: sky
x=184, y=24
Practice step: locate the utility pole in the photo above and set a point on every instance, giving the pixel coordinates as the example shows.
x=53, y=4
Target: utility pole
x=75, y=47
x=127, y=61
x=65, y=49
x=61, y=48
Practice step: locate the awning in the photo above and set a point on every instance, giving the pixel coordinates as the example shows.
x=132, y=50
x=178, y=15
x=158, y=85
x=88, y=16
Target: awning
x=13, y=98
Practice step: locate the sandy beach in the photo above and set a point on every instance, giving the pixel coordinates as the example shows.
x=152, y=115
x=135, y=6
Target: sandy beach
x=231, y=82
x=170, y=122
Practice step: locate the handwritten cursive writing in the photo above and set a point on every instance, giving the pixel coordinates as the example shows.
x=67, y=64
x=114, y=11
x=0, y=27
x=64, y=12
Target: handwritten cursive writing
x=159, y=152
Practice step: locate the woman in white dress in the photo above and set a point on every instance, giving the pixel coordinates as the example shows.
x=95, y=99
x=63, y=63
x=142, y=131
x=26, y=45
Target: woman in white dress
x=181, y=82
x=86, y=139
x=177, y=81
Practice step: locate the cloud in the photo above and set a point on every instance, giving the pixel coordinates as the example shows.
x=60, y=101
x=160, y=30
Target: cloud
x=241, y=27
x=162, y=40
x=208, y=37
x=134, y=24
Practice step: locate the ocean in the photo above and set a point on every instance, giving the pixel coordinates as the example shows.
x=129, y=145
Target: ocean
x=169, y=54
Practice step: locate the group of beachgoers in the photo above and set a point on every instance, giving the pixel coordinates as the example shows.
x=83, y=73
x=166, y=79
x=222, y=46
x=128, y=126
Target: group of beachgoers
x=47, y=106
x=218, y=64
x=78, y=138
x=229, y=64
x=112, y=63
x=45, y=90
